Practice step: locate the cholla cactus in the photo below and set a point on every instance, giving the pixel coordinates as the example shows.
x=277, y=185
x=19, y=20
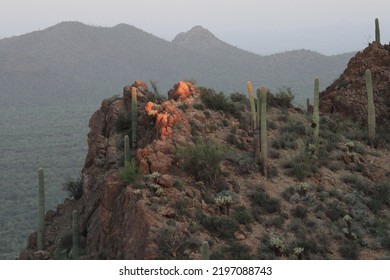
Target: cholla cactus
x=224, y=202
x=277, y=244
x=298, y=252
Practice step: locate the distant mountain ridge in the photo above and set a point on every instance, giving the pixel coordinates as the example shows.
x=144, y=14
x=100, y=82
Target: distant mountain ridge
x=74, y=57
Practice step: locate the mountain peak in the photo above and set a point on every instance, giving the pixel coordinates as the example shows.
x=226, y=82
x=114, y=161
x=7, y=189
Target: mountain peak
x=195, y=34
x=201, y=40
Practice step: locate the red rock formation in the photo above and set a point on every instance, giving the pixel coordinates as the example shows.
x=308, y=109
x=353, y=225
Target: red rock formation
x=182, y=91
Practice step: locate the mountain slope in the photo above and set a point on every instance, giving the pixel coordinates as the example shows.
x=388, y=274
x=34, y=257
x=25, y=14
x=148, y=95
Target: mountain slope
x=52, y=80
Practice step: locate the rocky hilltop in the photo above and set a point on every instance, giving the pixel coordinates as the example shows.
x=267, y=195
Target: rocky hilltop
x=193, y=177
x=347, y=95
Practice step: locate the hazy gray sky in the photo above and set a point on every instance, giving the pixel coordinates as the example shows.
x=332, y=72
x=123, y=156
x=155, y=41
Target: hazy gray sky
x=326, y=26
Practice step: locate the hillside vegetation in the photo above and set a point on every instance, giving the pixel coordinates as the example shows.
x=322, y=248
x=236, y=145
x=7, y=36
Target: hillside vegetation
x=196, y=179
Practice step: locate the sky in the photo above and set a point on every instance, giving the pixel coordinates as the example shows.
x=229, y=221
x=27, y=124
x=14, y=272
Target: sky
x=264, y=27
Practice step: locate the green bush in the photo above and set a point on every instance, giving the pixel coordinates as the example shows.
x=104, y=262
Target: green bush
x=379, y=196
x=129, y=173
x=203, y=160
x=74, y=188
x=300, y=212
x=232, y=251
x=222, y=226
x=282, y=99
x=242, y=215
x=349, y=250
x=262, y=203
x=301, y=166
x=218, y=101
x=123, y=123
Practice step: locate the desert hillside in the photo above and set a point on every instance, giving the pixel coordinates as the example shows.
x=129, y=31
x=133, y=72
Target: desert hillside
x=164, y=175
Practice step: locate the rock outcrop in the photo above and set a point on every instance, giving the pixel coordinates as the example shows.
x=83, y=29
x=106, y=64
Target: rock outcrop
x=347, y=95
x=115, y=222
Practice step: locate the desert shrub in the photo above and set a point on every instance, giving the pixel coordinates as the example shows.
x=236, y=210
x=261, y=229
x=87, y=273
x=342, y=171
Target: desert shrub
x=285, y=141
x=203, y=160
x=74, y=188
x=277, y=222
x=262, y=203
x=172, y=242
x=334, y=211
x=218, y=101
x=129, y=173
x=349, y=250
x=242, y=215
x=287, y=193
x=312, y=247
x=222, y=226
x=181, y=207
x=282, y=99
x=299, y=212
x=379, y=196
x=232, y=251
x=198, y=106
x=301, y=166
x=123, y=122
x=240, y=98
x=357, y=182
x=233, y=140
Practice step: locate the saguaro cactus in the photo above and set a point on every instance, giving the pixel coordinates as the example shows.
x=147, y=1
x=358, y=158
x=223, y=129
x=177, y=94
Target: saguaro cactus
x=316, y=114
x=134, y=118
x=263, y=127
x=370, y=109
x=75, y=237
x=205, y=251
x=377, y=31
x=41, y=209
x=127, y=150
x=256, y=144
x=252, y=103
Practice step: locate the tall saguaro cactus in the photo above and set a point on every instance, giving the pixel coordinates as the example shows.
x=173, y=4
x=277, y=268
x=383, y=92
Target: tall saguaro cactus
x=377, y=31
x=127, y=150
x=316, y=114
x=134, y=119
x=41, y=209
x=263, y=128
x=75, y=235
x=252, y=103
x=256, y=148
x=370, y=109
